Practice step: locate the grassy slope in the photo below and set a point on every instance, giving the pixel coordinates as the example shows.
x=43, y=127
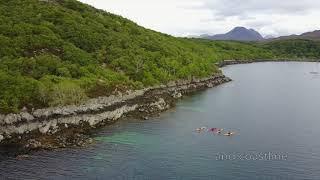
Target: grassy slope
x=59, y=52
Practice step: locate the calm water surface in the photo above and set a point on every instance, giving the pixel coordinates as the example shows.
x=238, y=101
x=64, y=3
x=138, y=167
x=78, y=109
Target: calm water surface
x=273, y=107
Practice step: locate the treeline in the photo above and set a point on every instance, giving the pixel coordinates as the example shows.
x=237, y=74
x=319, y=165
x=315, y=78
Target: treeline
x=294, y=48
x=60, y=52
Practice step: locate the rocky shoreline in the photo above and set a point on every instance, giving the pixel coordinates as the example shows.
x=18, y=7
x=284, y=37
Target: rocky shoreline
x=233, y=62
x=68, y=126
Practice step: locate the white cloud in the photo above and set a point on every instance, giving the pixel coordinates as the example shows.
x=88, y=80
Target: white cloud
x=193, y=17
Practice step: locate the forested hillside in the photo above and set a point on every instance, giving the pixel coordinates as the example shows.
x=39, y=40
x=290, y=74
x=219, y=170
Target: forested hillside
x=295, y=48
x=60, y=52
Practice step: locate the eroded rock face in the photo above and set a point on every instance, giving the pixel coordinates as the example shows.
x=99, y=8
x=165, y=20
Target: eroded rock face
x=92, y=105
x=2, y=119
x=26, y=116
x=12, y=118
x=33, y=144
x=176, y=95
x=1, y=138
x=54, y=123
x=159, y=105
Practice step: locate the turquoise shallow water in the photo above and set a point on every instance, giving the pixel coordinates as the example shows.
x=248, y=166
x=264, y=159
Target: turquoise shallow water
x=273, y=107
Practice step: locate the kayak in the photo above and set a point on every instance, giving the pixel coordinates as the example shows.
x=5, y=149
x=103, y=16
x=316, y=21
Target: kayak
x=201, y=129
x=231, y=134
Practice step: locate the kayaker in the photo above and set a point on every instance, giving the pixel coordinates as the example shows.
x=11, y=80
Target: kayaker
x=203, y=128
x=229, y=133
x=219, y=131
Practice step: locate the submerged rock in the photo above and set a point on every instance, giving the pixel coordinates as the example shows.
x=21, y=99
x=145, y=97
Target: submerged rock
x=23, y=156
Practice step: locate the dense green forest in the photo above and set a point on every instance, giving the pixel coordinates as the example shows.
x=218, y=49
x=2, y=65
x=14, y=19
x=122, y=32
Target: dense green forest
x=294, y=48
x=60, y=52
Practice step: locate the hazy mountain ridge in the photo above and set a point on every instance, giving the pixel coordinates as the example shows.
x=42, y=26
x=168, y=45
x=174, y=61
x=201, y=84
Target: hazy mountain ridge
x=237, y=34
x=244, y=34
x=313, y=35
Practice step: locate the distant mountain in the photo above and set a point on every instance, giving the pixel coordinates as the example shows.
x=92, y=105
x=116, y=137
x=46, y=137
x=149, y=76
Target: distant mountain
x=314, y=35
x=237, y=34
x=269, y=37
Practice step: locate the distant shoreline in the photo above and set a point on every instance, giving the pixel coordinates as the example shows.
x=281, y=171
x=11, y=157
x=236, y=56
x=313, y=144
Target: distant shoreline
x=233, y=62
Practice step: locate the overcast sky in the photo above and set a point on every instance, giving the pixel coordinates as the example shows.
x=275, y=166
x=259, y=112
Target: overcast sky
x=195, y=17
